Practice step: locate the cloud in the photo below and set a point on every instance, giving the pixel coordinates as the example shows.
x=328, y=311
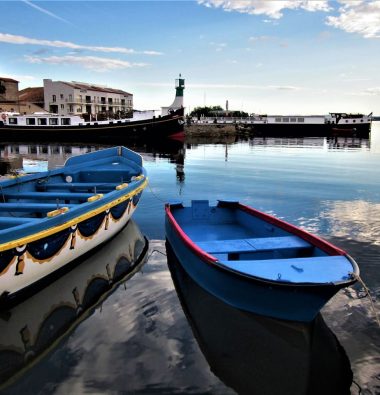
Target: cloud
x=271, y=8
x=373, y=91
x=93, y=63
x=19, y=77
x=260, y=38
x=240, y=86
x=22, y=40
x=284, y=87
x=218, y=46
x=362, y=17
x=44, y=11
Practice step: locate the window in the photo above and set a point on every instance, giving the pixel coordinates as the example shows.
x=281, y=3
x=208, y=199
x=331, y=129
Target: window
x=286, y=119
x=54, y=98
x=42, y=121
x=53, y=121
x=12, y=121
x=62, y=106
x=293, y=119
x=278, y=119
x=30, y=121
x=300, y=119
x=70, y=98
x=65, y=121
x=71, y=108
x=61, y=95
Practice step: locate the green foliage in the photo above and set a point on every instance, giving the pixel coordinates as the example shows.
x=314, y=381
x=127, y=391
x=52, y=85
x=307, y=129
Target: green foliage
x=215, y=111
x=205, y=111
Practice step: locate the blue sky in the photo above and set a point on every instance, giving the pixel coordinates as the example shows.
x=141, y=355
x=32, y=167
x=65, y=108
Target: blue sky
x=283, y=57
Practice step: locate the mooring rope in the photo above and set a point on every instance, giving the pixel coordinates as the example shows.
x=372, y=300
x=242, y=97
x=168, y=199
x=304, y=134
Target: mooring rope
x=368, y=293
x=155, y=195
x=153, y=251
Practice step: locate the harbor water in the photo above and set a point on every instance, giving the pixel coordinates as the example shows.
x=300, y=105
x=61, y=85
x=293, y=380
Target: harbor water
x=155, y=331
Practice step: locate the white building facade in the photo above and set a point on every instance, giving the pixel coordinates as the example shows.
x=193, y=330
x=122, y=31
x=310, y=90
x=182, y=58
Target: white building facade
x=76, y=98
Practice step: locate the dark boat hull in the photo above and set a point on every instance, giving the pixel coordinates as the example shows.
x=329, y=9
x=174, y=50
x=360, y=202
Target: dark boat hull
x=300, y=303
x=117, y=132
x=305, y=130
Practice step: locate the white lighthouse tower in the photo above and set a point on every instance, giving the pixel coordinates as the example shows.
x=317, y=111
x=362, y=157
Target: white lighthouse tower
x=178, y=100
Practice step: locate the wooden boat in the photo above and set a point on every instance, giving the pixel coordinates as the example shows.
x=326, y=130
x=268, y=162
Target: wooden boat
x=256, y=262
x=50, y=219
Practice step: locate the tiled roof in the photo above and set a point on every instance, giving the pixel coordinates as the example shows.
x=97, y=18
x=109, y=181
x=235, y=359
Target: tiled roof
x=7, y=79
x=78, y=85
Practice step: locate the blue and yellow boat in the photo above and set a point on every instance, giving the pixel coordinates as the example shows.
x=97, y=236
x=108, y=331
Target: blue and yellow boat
x=50, y=219
x=256, y=262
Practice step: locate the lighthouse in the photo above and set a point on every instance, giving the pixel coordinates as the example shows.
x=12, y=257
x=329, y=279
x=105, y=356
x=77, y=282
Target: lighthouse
x=178, y=100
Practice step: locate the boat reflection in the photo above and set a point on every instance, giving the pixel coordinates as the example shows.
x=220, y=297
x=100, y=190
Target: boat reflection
x=41, y=157
x=31, y=329
x=259, y=355
x=325, y=143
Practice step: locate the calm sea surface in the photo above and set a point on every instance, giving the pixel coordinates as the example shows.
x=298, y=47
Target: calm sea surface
x=158, y=332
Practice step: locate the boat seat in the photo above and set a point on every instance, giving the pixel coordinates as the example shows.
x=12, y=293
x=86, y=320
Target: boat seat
x=14, y=221
x=48, y=195
x=252, y=245
x=319, y=269
x=101, y=175
x=108, y=186
x=31, y=207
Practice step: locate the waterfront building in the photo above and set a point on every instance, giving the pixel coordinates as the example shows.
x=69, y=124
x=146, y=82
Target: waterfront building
x=74, y=98
x=13, y=100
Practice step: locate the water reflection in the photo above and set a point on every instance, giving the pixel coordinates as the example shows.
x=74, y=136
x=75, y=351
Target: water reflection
x=259, y=355
x=32, y=328
x=338, y=143
x=17, y=156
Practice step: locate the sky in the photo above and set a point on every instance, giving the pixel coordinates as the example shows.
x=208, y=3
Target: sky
x=262, y=56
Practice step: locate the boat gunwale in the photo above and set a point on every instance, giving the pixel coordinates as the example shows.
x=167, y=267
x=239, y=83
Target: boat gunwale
x=76, y=219
x=216, y=264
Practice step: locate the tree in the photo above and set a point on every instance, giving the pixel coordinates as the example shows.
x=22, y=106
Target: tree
x=205, y=111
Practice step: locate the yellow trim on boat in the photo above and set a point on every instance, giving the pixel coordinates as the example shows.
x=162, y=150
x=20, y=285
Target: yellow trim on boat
x=54, y=213
x=95, y=197
x=48, y=232
x=121, y=186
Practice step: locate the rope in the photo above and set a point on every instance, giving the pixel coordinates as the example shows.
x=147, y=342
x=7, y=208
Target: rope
x=162, y=253
x=358, y=278
x=156, y=196
x=359, y=388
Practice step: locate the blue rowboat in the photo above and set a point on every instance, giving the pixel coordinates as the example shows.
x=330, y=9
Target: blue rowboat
x=256, y=262
x=50, y=219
